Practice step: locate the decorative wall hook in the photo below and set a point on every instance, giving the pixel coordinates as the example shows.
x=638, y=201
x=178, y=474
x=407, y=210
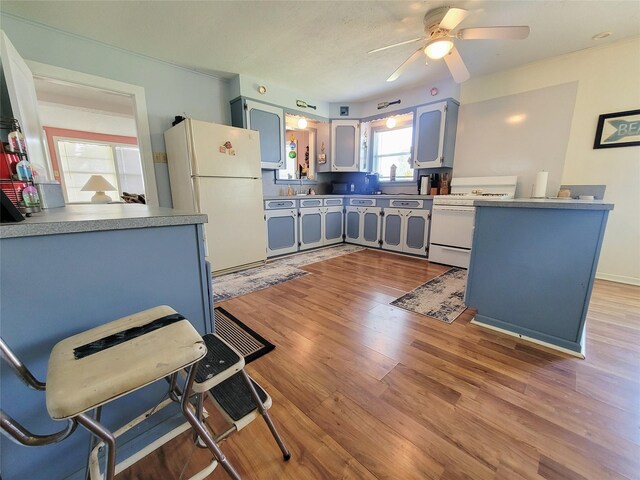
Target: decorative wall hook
x=382, y=105
x=303, y=104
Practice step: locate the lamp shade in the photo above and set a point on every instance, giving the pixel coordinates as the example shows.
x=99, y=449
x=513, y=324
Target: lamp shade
x=98, y=184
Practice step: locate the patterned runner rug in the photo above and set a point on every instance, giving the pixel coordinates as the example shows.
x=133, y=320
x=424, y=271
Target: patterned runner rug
x=275, y=272
x=441, y=298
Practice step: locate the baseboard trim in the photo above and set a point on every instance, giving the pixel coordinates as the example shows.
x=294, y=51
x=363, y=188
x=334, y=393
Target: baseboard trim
x=618, y=278
x=573, y=353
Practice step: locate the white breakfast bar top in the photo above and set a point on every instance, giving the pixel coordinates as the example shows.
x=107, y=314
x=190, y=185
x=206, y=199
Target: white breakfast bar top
x=91, y=217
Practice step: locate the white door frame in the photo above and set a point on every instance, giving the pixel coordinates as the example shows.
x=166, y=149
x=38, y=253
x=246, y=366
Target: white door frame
x=140, y=107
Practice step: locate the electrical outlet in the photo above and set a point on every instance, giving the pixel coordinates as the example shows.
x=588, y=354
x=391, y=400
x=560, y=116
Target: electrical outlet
x=159, y=157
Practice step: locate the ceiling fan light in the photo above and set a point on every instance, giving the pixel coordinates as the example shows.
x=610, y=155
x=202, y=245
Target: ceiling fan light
x=438, y=48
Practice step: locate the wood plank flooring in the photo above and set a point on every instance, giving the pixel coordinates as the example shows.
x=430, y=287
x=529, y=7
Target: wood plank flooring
x=363, y=390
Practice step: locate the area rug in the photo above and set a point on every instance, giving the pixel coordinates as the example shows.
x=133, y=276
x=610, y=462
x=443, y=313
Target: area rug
x=441, y=298
x=275, y=272
x=249, y=343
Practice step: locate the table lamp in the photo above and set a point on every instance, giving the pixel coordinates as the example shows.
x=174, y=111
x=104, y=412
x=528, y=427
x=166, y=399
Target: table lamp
x=98, y=184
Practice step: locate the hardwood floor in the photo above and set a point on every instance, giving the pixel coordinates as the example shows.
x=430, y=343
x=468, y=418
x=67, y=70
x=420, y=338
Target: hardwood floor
x=363, y=390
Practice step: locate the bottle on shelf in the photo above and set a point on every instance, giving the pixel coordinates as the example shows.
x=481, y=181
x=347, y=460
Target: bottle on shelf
x=24, y=171
x=30, y=197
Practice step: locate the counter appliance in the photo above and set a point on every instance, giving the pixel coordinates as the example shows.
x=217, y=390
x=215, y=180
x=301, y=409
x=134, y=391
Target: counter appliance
x=453, y=215
x=215, y=169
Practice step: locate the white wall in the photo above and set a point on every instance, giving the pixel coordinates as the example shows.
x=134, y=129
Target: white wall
x=608, y=81
x=278, y=95
x=520, y=134
x=408, y=98
x=75, y=118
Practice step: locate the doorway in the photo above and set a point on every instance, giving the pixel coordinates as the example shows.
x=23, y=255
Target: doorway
x=90, y=131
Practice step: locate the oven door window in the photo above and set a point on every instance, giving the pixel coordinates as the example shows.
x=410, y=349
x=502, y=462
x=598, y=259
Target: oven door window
x=452, y=225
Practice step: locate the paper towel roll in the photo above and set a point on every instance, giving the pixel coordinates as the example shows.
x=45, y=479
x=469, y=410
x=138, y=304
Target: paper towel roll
x=540, y=185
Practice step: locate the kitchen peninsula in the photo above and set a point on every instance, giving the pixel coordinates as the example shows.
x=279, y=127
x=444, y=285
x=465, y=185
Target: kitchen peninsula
x=69, y=269
x=533, y=263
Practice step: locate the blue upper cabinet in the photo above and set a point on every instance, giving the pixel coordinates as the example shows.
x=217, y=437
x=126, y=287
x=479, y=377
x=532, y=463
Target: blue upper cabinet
x=435, y=135
x=345, y=148
x=269, y=121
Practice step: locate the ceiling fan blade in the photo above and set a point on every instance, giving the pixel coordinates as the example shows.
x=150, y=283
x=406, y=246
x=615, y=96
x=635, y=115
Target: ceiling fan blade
x=396, y=45
x=456, y=66
x=453, y=18
x=406, y=63
x=490, y=33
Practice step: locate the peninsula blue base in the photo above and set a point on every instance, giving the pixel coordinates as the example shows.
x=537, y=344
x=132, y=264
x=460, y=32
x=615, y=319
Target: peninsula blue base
x=532, y=270
x=54, y=286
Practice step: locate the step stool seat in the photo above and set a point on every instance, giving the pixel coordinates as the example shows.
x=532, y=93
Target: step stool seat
x=234, y=400
x=221, y=362
x=99, y=365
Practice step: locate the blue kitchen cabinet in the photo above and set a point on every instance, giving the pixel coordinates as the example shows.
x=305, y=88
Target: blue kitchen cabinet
x=333, y=225
x=282, y=231
x=435, y=134
x=311, y=227
x=345, y=146
x=363, y=225
x=269, y=121
x=406, y=229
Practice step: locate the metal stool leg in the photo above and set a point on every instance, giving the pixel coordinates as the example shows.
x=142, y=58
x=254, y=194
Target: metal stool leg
x=201, y=429
x=267, y=418
x=92, y=443
x=101, y=432
x=200, y=414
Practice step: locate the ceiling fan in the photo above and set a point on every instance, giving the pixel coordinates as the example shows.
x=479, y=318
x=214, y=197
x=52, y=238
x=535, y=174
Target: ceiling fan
x=438, y=24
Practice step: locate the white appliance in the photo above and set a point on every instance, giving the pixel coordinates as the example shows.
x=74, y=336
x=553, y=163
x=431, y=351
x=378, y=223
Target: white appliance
x=215, y=169
x=453, y=216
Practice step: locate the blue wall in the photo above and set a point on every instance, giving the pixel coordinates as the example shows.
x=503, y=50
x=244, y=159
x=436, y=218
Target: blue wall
x=170, y=90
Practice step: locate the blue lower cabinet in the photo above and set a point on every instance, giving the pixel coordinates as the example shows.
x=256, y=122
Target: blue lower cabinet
x=405, y=230
x=333, y=225
x=363, y=226
x=321, y=226
x=392, y=226
x=311, y=227
x=282, y=231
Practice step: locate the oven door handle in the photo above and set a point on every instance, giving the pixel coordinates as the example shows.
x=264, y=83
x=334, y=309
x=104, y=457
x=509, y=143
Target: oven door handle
x=448, y=208
x=454, y=249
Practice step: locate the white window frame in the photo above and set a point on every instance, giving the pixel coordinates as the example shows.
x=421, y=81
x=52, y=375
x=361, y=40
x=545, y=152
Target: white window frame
x=380, y=126
x=113, y=145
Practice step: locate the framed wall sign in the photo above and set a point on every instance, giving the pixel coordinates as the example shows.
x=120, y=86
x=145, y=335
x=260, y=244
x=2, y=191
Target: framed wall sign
x=620, y=129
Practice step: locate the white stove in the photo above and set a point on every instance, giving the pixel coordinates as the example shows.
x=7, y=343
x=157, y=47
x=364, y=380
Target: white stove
x=453, y=216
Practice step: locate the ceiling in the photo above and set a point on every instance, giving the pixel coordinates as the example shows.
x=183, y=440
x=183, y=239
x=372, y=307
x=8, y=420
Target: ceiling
x=320, y=47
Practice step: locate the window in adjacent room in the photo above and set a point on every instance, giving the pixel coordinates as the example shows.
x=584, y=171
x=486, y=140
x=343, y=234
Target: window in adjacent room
x=76, y=155
x=392, y=145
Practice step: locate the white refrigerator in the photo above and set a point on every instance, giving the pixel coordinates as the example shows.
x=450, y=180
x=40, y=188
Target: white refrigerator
x=215, y=169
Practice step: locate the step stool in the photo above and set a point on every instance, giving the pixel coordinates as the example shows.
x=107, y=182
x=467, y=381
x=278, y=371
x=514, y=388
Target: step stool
x=240, y=400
